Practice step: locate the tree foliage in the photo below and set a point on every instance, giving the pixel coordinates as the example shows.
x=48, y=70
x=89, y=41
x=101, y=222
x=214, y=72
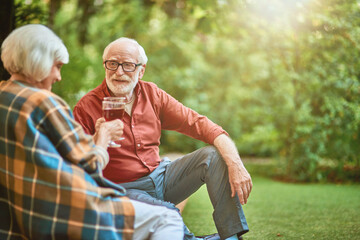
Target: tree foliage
x=282, y=77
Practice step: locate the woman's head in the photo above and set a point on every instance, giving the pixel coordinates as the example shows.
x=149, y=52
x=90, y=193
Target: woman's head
x=32, y=50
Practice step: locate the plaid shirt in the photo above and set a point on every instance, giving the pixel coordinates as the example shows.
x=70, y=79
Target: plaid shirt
x=51, y=185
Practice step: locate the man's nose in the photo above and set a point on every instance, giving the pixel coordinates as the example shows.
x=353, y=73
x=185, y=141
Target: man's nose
x=120, y=70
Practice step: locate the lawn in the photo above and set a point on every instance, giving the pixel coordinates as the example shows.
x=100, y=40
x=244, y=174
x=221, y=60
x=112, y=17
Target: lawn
x=277, y=210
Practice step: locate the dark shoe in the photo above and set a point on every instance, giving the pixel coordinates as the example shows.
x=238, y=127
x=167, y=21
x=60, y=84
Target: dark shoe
x=214, y=236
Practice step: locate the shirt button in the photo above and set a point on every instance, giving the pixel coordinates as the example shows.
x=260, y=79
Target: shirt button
x=138, y=145
x=132, y=126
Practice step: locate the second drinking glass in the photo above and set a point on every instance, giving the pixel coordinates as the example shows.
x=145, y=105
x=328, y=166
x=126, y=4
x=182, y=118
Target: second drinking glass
x=114, y=108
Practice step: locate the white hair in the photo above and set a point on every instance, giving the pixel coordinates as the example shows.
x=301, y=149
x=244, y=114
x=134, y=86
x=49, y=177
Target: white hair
x=142, y=55
x=31, y=50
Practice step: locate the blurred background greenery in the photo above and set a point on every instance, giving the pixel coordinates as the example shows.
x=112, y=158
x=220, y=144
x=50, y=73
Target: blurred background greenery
x=280, y=76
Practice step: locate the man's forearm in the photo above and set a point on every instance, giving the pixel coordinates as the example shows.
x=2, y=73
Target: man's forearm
x=227, y=150
x=239, y=178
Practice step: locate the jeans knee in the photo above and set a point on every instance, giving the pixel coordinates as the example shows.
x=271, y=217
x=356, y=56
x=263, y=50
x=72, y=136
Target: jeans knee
x=213, y=159
x=212, y=153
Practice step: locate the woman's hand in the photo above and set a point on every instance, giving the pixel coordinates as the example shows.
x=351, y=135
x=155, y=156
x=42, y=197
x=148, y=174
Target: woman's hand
x=107, y=131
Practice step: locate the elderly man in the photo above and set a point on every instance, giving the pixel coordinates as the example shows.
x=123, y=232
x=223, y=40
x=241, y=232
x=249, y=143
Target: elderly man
x=51, y=183
x=137, y=166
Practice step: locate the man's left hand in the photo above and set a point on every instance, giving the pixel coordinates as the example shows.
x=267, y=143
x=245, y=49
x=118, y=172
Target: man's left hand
x=239, y=178
x=240, y=181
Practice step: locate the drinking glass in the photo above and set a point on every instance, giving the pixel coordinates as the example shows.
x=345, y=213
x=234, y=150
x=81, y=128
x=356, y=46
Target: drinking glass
x=114, y=108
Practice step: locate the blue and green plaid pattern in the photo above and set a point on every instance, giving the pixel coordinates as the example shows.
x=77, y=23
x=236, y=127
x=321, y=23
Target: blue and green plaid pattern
x=51, y=185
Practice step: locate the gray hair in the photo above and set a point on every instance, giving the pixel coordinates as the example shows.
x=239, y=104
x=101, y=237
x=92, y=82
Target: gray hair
x=142, y=55
x=31, y=50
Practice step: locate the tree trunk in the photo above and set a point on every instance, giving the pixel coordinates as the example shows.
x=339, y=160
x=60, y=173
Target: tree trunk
x=7, y=20
x=53, y=8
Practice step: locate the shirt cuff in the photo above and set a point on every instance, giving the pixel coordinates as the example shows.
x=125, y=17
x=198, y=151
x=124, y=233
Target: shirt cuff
x=103, y=156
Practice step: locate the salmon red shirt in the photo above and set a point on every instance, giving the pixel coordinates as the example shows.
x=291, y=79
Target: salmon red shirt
x=153, y=110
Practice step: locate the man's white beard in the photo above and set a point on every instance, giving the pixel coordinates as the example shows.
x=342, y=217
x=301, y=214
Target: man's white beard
x=122, y=89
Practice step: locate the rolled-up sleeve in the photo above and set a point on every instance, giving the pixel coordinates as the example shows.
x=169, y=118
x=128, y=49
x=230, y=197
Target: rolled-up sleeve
x=175, y=116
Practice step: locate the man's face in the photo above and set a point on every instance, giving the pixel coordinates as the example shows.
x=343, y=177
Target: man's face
x=119, y=82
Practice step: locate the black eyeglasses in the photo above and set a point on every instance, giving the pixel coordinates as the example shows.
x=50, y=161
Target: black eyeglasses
x=126, y=66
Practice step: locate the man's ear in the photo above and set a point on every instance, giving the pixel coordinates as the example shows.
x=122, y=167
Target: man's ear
x=142, y=71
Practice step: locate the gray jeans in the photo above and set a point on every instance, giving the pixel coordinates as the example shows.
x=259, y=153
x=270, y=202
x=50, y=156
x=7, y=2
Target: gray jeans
x=174, y=181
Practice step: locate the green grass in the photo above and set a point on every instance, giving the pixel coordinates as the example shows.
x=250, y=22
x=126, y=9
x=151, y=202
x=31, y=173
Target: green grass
x=277, y=210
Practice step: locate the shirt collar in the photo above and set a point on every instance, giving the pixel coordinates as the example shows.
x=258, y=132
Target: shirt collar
x=105, y=89
x=137, y=89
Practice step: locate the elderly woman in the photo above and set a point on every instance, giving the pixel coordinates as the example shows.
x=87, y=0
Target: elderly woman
x=51, y=185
